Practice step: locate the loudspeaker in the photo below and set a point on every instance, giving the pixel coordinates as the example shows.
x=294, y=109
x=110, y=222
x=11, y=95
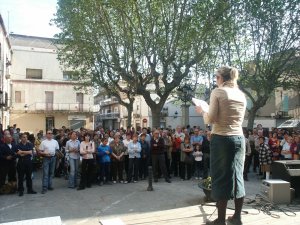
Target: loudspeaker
x=288, y=170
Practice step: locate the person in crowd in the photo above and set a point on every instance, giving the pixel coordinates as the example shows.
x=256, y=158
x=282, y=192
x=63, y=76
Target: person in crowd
x=167, y=151
x=186, y=159
x=147, y=136
x=286, y=152
x=87, y=149
x=198, y=155
x=196, y=139
x=226, y=113
x=111, y=137
x=274, y=146
x=176, y=155
x=118, y=150
x=284, y=139
x=180, y=133
x=126, y=141
x=16, y=135
x=134, y=151
x=256, y=154
x=158, y=157
x=294, y=147
x=145, y=157
x=47, y=150
x=265, y=158
x=73, y=151
x=24, y=167
x=62, y=139
x=8, y=160
x=104, y=152
x=206, y=154
x=247, y=158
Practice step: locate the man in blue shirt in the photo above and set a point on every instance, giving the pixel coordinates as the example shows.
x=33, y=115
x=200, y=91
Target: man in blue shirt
x=196, y=138
x=24, y=166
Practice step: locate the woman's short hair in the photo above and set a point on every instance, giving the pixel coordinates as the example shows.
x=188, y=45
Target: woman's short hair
x=87, y=134
x=228, y=73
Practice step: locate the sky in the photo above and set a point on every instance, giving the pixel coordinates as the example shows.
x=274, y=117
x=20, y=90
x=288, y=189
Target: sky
x=29, y=17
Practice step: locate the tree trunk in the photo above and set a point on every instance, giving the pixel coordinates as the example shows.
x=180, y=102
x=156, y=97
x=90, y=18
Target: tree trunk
x=155, y=111
x=251, y=117
x=129, y=108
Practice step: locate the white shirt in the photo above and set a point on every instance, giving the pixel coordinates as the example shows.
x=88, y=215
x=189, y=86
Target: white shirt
x=73, y=144
x=49, y=146
x=126, y=142
x=285, y=149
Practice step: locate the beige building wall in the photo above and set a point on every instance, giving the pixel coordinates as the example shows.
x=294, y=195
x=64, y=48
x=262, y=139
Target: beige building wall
x=29, y=122
x=31, y=101
x=34, y=122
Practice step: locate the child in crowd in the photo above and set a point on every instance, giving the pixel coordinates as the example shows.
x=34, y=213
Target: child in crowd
x=198, y=160
x=265, y=158
x=104, y=152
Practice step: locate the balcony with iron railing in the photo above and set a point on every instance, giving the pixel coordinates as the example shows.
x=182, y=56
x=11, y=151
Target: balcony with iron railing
x=43, y=107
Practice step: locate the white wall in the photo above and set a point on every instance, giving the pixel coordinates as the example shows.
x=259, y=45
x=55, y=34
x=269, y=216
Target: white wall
x=36, y=59
x=4, y=71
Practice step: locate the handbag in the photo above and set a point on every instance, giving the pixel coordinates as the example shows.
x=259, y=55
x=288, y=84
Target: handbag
x=59, y=154
x=188, y=159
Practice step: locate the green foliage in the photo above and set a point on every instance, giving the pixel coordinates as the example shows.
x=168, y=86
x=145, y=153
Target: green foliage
x=264, y=46
x=137, y=42
x=206, y=183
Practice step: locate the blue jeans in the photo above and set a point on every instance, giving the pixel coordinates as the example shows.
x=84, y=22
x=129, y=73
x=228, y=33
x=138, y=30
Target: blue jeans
x=48, y=165
x=73, y=172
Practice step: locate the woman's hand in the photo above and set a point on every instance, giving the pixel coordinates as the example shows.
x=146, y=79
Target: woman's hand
x=199, y=109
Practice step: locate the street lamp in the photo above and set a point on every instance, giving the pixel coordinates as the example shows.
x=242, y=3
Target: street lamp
x=185, y=94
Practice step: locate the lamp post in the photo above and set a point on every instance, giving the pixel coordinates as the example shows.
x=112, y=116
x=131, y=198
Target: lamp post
x=185, y=94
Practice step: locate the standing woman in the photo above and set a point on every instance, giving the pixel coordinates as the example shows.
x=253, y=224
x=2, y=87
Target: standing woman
x=186, y=159
x=226, y=113
x=73, y=148
x=87, y=148
x=134, y=151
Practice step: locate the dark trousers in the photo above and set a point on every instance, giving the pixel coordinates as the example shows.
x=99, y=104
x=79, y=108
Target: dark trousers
x=159, y=160
x=167, y=164
x=186, y=169
x=126, y=165
x=117, y=170
x=143, y=170
x=255, y=155
x=198, y=168
x=175, y=163
x=247, y=166
x=7, y=169
x=24, y=167
x=105, y=172
x=133, y=169
x=206, y=159
x=87, y=167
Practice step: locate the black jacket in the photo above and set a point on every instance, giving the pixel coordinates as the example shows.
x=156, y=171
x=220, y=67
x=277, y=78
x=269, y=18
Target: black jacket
x=5, y=151
x=159, y=148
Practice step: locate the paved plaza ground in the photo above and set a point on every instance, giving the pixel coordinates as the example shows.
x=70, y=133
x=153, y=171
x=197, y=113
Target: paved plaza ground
x=129, y=202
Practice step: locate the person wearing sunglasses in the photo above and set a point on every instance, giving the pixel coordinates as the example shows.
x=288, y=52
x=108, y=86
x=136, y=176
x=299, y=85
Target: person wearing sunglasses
x=47, y=150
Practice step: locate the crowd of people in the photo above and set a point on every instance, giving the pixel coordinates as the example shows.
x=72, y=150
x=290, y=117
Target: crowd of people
x=124, y=155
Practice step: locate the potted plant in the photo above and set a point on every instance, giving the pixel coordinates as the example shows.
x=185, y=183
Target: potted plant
x=205, y=185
